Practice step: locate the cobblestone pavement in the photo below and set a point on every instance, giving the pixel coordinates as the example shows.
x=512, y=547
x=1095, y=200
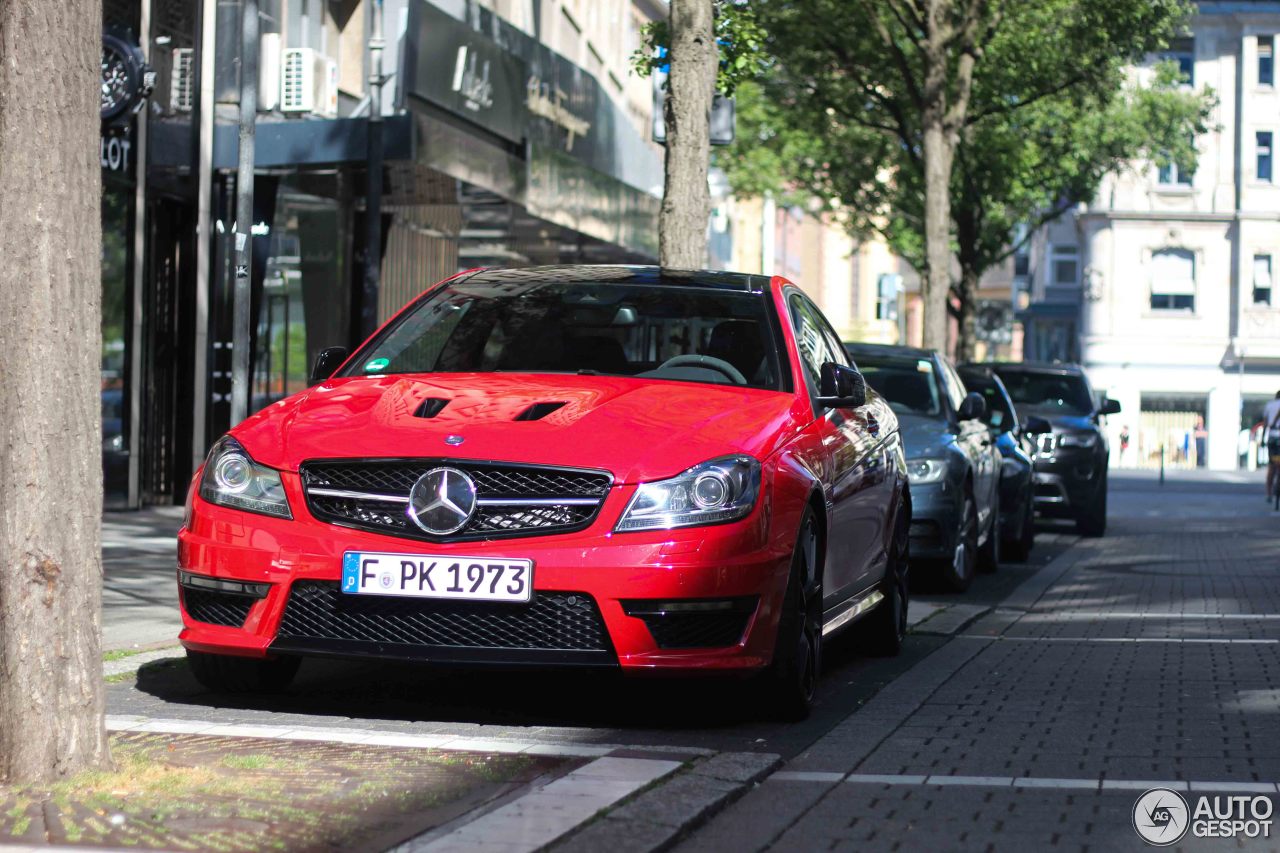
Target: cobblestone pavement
x=1148, y=657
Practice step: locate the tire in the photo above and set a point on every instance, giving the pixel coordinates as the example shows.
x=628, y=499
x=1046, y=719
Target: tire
x=1092, y=521
x=885, y=629
x=1019, y=550
x=790, y=683
x=989, y=553
x=228, y=674
x=957, y=575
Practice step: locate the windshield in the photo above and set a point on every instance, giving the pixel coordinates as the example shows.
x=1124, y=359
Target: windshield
x=909, y=384
x=655, y=331
x=1051, y=392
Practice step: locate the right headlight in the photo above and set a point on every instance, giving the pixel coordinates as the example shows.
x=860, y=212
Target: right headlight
x=714, y=492
x=231, y=478
x=923, y=471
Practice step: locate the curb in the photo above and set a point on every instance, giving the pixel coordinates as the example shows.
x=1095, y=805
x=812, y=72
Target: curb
x=658, y=818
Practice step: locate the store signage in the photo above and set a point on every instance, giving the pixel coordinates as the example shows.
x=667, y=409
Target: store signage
x=548, y=101
x=113, y=150
x=472, y=82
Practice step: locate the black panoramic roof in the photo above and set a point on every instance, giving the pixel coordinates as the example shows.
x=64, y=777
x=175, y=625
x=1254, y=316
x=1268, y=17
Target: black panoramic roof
x=619, y=274
x=887, y=351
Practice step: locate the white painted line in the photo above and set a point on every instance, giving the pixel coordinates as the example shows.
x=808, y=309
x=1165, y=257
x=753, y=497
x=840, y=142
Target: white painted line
x=1141, y=785
x=882, y=779
x=1134, y=640
x=980, y=781
x=1095, y=615
x=1249, y=787
x=805, y=776
x=540, y=817
x=1030, y=782
x=449, y=743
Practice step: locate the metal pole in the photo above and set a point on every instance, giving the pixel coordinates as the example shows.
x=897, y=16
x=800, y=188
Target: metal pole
x=204, y=236
x=243, y=238
x=373, y=198
x=1162, y=464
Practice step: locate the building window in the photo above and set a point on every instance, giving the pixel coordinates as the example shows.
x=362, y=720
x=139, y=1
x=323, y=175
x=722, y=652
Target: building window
x=1266, y=60
x=887, y=286
x=1183, y=52
x=1261, y=279
x=1173, y=280
x=1263, y=141
x=1172, y=175
x=1064, y=266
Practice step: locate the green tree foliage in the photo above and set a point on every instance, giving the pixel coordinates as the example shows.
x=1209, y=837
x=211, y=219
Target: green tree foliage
x=1050, y=112
x=739, y=35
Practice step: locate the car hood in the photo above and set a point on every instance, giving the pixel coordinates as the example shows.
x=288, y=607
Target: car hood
x=923, y=436
x=635, y=428
x=1060, y=421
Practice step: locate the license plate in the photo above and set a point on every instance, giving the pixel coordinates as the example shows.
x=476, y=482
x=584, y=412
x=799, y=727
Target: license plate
x=430, y=576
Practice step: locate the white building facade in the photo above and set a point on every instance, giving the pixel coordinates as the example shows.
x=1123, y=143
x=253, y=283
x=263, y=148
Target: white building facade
x=1164, y=286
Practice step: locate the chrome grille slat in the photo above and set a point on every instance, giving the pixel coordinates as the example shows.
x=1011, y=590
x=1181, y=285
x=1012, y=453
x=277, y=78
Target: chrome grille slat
x=511, y=499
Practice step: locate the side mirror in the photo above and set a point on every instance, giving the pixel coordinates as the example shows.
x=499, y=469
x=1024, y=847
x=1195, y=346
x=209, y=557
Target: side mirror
x=1036, y=425
x=1109, y=407
x=973, y=407
x=328, y=360
x=841, y=386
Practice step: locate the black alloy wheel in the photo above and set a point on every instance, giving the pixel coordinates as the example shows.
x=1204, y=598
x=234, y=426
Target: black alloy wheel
x=791, y=682
x=1092, y=520
x=989, y=554
x=1019, y=550
x=885, y=629
x=958, y=573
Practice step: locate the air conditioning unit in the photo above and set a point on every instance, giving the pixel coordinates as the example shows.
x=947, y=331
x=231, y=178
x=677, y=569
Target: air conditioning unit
x=182, y=79
x=308, y=82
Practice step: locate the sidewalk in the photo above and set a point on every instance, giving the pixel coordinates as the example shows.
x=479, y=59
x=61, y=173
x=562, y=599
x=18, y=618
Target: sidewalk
x=139, y=588
x=1148, y=658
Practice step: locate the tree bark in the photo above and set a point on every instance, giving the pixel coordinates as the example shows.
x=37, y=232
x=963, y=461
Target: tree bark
x=967, y=338
x=939, y=152
x=686, y=199
x=51, y=688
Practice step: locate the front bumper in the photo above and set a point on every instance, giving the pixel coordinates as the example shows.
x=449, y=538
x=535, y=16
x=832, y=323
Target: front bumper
x=1066, y=481
x=935, y=520
x=594, y=580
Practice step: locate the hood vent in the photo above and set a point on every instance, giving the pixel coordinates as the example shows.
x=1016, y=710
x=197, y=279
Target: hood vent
x=538, y=411
x=430, y=407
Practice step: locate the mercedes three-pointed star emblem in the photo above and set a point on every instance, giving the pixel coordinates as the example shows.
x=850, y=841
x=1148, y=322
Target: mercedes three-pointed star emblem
x=442, y=501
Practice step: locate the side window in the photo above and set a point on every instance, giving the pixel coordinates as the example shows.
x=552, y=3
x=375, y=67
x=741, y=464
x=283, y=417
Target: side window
x=835, y=347
x=809, y=340
x=952, y=384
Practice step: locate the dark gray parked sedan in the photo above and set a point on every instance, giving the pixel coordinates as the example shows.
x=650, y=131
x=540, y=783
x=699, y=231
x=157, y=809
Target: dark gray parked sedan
x=952, y=459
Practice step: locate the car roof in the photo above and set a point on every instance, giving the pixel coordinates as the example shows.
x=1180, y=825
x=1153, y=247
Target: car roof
x=1051, y=367
x=623, y=274
x=887, y=350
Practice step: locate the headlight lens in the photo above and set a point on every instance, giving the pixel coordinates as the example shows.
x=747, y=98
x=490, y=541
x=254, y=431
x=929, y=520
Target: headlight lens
x=1078, y=439
x=231, y=478
x=711, y=493
x=922, y=471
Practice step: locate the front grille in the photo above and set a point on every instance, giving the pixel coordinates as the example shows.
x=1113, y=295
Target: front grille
x=513, y=500
x=553, y=621
x=217, y=608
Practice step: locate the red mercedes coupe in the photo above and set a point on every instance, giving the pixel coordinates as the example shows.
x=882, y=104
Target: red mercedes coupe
x=634, y=468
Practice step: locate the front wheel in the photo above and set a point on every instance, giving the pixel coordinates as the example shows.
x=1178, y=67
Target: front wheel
x=989, y=554
x=1092, y=520
x=228, y=674
x=958, y=574
x=791, y=682
x=1019, y=550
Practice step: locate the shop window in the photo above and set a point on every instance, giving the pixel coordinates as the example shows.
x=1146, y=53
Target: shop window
x=1266, y=60
x=1064, y=266
x=1261, y=279
x=1173, y=280
x=1263, y=142
x=887, y=286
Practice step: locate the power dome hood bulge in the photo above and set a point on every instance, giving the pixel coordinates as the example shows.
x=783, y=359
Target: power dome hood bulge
x=638, y=429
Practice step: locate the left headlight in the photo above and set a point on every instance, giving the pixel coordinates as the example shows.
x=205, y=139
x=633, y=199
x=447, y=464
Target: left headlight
x=714, y=492
x=1078, y=439
x=231, y=478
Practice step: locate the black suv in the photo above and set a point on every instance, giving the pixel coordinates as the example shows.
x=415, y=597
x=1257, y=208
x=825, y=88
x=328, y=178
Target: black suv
x=1070, y=462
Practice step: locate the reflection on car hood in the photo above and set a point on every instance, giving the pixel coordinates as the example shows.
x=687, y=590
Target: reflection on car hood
x=1059, y=420
x=637, y=429
x=923, y=436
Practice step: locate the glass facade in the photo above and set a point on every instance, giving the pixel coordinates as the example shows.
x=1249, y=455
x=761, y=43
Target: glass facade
x=117, y=236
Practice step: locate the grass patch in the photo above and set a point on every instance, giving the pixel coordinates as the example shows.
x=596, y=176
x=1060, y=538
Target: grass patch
x=119, y=654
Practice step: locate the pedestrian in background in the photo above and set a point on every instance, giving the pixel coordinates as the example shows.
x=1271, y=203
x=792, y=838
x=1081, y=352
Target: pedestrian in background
x=1271, y=417
x=1202, y=441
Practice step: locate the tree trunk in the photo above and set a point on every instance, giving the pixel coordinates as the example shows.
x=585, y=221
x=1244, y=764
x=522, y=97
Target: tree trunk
x=686, y=199
x=939, y=152
x=968, y=335
x=51, y=688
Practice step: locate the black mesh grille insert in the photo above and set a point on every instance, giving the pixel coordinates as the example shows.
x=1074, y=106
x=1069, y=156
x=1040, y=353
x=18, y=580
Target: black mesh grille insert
x=553, y=621
x=393, y=478
x=696, y=630
x=217, y=608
